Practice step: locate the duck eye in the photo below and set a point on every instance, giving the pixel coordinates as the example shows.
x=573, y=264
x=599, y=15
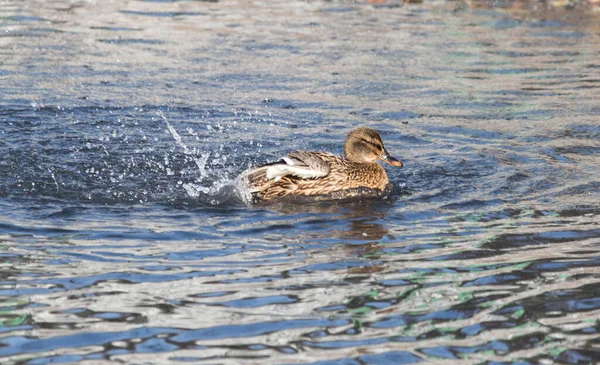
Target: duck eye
x=375, y=145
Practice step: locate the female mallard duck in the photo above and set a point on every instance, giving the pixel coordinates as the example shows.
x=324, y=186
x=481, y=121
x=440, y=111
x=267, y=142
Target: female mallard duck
x=311, y=174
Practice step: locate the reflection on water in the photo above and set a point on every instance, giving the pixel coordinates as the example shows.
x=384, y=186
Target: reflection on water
x=123, y=125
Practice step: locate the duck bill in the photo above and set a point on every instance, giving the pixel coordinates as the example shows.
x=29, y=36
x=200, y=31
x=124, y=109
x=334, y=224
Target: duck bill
x=386, y=157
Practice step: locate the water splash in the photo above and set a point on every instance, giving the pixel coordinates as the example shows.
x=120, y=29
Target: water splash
x=221, y=190
x=200, y=161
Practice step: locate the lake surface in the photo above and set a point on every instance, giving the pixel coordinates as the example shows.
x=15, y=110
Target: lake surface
x=124, y=123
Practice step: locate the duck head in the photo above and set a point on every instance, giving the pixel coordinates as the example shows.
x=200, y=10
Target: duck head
x=365, y=145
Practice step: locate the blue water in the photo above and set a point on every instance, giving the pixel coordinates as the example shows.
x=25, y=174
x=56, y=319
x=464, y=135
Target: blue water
x=123, y=237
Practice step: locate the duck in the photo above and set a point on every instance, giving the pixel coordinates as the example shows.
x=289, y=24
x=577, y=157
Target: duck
x=310, y=174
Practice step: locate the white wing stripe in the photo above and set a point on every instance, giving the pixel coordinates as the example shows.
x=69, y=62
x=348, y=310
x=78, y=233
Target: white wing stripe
x=288, y=160
x=283, y=170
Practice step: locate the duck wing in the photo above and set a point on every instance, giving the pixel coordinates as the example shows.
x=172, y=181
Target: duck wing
x=302, y=164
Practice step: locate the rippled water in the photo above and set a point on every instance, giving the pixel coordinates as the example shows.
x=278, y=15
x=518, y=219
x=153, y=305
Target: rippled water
x=122, y=125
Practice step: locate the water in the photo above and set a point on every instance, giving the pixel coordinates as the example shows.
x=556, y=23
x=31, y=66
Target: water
x=123, y=125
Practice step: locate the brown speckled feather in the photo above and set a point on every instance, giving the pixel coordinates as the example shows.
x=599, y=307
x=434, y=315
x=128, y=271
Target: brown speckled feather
x=343, y=175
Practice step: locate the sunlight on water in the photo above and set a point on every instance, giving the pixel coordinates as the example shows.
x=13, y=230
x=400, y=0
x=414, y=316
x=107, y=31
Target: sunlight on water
x=125, y=236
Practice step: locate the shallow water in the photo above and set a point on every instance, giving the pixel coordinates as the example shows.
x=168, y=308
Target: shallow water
x=123, y=124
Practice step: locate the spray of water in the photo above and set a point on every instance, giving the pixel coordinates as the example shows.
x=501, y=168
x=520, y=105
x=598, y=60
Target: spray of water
x=221, y=190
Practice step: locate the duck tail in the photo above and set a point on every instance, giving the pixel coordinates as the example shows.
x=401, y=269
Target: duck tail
x=255, y=179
